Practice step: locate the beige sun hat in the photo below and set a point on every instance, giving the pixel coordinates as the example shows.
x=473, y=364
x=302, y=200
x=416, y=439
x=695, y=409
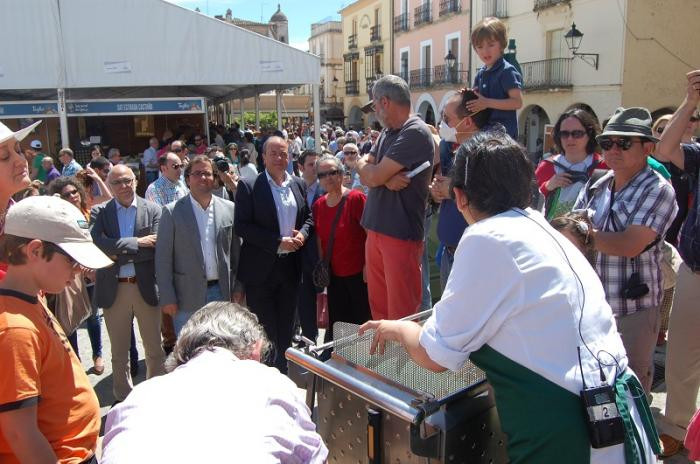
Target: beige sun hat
x=6, y=134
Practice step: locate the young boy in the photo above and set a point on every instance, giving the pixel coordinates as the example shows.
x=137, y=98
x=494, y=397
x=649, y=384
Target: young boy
x=48, y=409
x=498, y=82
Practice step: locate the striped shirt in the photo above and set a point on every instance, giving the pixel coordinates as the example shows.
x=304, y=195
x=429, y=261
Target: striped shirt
x=163, y=191
x=647, y=200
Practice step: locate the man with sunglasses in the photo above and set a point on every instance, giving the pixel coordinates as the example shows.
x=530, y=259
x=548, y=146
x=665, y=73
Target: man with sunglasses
x=631, y=208
x=125, y=228
x=168, y=187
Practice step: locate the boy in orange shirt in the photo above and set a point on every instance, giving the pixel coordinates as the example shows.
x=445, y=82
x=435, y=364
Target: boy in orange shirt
x=49, y=412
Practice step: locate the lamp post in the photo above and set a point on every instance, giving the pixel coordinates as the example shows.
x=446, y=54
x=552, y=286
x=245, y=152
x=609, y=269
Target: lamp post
x=573, y=41
x=450, y=64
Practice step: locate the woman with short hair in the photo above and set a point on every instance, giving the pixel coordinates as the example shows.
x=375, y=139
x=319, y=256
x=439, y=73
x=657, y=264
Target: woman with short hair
x=347, y=291
x=524, y=305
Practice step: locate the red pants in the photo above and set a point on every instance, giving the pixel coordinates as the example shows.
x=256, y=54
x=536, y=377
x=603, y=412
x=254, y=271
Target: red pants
x=393, y=275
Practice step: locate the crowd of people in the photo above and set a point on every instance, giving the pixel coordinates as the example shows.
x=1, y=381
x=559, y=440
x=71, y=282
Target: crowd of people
x=239, y=241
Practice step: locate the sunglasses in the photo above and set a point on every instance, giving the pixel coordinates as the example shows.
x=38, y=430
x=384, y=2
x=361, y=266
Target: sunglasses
x=622, y=143
x=323, y=175
x=69, y=194
x=576, y=134
x=176, y=166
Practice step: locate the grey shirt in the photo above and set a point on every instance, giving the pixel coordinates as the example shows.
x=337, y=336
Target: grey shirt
x=401, y=214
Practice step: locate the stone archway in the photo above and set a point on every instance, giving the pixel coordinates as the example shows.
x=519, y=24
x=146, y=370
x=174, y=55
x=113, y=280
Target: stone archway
x=426, y=108
x=532, y=122
x=355, y=118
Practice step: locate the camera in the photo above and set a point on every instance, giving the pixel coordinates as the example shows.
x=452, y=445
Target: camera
x=634, y=288
x=577, y=176
x=222, y=164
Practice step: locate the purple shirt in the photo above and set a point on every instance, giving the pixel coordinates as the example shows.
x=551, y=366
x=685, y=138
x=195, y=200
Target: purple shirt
x=52, y=174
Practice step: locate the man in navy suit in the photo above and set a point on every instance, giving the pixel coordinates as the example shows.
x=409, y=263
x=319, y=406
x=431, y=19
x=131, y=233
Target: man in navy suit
x=274, y=221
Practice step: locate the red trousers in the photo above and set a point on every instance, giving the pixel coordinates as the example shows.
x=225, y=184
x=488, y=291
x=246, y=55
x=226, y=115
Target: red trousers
x=393, y=275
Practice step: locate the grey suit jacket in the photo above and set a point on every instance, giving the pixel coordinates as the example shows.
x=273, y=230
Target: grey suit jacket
x=180, y=271
x=104, y=227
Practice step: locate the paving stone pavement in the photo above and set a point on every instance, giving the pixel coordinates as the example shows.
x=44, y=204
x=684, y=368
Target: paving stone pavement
x=103, y=383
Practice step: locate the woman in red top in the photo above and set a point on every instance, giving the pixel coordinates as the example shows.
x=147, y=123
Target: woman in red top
x=561, y=177
x=347, y=292
x=14, y=172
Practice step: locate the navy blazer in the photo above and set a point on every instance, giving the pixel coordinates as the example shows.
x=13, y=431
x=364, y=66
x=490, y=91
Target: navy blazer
x=104, y=227
x=256, y=223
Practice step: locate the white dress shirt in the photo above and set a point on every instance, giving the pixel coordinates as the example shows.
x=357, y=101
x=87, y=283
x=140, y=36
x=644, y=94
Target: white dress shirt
x=285, y=204
x=126, y=217
x=250, y=414
x=207, y=236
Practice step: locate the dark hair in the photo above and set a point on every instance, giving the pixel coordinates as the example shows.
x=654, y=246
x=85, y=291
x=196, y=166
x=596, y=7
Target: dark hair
x=243, y=157
x=60, y=183
x=99, y=163
x=587, y=121
x=11, y=253
x=248, y=136
x=580, y=226
x=499, y=173
x=466, y=95
x=305, y=154
x=200, y=159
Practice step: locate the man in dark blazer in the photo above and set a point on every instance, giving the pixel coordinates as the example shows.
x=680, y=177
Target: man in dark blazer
x=274, y=221
x=196, y=258
x=125, y=228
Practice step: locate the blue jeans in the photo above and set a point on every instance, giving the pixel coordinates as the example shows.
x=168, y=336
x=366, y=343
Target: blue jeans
x=426, y=299
x=445, y=267
x=182, y=316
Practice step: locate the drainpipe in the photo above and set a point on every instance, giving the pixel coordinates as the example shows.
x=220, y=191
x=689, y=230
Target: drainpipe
x=469, y=41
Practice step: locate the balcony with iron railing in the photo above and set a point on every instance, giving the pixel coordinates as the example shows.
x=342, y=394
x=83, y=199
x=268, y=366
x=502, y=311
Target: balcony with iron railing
x=496, y=8
x=542, y=4
x=352, y=41
x=352, y=87
x=403, y=75
x=375, y=33
x=554, y=73
x=423, y=14
x=401, y=23
x=421, y=78
x=449, y=7
x=446, y=75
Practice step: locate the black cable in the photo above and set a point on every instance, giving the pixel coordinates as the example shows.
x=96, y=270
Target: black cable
x=583, y=302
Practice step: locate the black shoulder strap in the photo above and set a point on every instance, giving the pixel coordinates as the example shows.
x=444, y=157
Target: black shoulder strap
x=596, y=175
x=331, y=238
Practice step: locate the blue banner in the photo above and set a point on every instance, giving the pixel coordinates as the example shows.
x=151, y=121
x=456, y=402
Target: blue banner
x=99, y=107
x=28, y=110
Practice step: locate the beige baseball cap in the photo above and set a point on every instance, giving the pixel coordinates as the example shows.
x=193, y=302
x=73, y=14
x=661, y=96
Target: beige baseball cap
x=54, y=220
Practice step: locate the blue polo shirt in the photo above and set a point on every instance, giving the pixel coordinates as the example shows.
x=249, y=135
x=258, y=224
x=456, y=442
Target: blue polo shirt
x=495, y=83
x=451, y=223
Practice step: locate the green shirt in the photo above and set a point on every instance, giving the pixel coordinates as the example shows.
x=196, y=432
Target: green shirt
x=36, y=164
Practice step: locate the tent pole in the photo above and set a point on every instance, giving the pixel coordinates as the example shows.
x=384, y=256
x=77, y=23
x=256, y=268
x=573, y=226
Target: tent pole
x=257, y=111
x=63, y=118
x=206, y=119
x=225, y=105
x=278, y=95
x=317, y=116
x=242, y=121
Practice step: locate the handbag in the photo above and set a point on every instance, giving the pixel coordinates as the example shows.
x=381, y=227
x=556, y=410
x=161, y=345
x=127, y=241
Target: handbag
x=73, y=305
x=321, y=274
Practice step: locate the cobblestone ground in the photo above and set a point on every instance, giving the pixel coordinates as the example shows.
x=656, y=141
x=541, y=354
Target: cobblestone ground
x=103, y=383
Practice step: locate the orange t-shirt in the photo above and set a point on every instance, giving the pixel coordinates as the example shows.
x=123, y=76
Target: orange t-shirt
x=38, y=367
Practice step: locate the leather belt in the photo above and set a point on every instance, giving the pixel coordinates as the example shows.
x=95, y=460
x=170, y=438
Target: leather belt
x=211, y=283
x=131, y=280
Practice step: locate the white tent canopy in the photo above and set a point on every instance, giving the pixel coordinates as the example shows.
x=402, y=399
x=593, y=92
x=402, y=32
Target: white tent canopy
x=138, y=49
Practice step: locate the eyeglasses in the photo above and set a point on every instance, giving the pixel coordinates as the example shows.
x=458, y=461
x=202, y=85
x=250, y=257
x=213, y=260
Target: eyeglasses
x=177, y=150
x=206, y=174
x=323, y=175
x=623, y=143
x=69, y=193
x=122, y=182
x=176, y=166
x=576, y=134
x=350, y=152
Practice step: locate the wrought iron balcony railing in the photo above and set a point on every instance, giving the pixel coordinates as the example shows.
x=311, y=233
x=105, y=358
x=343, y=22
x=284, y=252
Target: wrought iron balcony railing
x=450, y=6
x=375, y=33
x=401, y=23
x=423, y=14
x=352, y=87
x=547, y=74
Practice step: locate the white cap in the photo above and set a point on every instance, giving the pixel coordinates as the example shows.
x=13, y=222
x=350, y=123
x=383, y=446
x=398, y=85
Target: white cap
x=54, y=220
x=6, y=134
x=36, y=144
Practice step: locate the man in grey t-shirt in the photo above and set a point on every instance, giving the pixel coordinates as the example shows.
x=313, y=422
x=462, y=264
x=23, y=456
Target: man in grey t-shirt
x=394, y=212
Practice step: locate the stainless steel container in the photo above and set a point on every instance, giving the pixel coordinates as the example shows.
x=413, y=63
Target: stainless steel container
x=387, y=409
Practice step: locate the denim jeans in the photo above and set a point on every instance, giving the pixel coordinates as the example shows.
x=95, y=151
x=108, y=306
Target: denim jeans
x=182, y=316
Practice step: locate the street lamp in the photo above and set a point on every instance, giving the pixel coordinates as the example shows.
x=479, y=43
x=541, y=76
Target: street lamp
x=573, y=41
x=450, y=62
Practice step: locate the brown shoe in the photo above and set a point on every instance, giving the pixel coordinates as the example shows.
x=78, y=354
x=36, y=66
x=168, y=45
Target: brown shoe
x=99, y=366
x=669, y=446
